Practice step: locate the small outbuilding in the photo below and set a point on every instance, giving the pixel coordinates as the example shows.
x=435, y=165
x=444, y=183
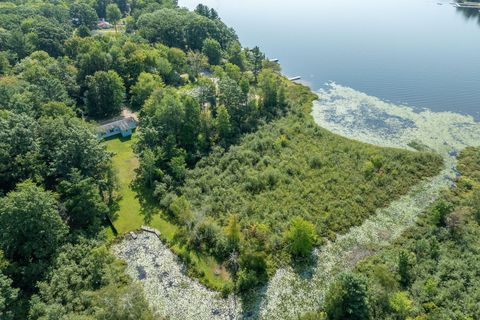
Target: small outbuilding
x=102, y=24
x=123, y=126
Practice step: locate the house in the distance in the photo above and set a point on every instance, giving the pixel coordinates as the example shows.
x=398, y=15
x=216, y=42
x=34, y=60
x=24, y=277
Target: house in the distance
x=102, y=24
x=123, y=126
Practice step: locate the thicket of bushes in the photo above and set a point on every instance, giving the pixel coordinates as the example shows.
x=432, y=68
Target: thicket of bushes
x=433, y=270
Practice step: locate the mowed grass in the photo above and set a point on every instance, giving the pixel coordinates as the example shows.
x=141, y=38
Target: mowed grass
x=129, y=216
x=125, y=162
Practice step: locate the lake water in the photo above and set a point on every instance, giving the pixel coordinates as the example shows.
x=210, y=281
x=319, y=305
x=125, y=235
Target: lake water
x=423, y=53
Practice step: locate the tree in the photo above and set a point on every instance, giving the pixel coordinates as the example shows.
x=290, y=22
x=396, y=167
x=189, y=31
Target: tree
x=148, y=172
x=83, y=32
x=223, y=126
x=143, y=88
x=235, y=100
x=253, y=270
x=31, y=230
x=347, y=298
x=81, y=198
x=45, y=34
x=105, y=94
x=475, y=203
x=441, y=210
x=87, y=282
x=268, y=82
x=207, y=91
x=69, y=143
x=124, y=303
x=282, y=104
x=19, y=150
x=56, y=109
x=405, y=268
x=113, y=14
x=196, y=62
x=92, y=61
x=401, y=305
x=178, y=59
x=206, y=11
x=81, y=14
x=236, y=55
x=190, y=126
x=4, y=63
x=8, y=296
x=123, y=6
x=300, y=237
x=181, y=210
x=256, y=59
x=212, y=49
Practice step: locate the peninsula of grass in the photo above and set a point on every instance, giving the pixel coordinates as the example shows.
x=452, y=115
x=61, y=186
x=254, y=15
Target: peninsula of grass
x=293, y=168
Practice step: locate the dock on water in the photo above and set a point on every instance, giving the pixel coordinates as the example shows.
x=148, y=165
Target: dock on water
x=295, y=78
x=469, y=5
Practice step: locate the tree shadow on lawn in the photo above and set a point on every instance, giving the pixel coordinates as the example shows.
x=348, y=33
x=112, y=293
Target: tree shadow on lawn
x=149, y=206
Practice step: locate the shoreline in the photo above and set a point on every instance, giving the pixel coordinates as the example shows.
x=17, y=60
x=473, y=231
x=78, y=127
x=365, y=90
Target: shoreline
x=288, y=293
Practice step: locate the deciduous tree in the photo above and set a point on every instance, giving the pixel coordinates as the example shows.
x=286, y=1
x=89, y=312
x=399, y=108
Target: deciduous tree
x=105, y=94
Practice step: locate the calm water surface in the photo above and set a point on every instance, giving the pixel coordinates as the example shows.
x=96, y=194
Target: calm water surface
x=415, y=52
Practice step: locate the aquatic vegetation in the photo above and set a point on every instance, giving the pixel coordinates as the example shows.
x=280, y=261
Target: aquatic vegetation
x=350, y=113
x=290, y=293
x=359, y=116
x=170, y=292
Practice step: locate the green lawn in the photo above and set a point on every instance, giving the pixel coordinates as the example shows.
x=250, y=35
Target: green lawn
x=129, y=217
x=125, y=163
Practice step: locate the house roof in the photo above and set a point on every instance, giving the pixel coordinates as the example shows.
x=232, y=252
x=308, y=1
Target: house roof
x=122, y=124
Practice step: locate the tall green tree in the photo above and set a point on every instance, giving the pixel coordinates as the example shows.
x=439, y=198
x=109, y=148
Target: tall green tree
x=223, y=126
x=31, y=230
x=68, y=144
x=405, y=268
x=113, y=14
x=196, y=62
x=81, y=14
x=212, y=49
x=143, y=88
x=256, y=59
x=347, y=298
x=19, y=150
x=269, y=84
x=8, y=294
x=190, y=126
x=46, y=34
x=83, y=203
x=87, y=282
x=105, y=94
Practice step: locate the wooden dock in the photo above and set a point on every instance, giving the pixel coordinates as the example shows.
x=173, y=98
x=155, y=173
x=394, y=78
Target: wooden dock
x=468, y=5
